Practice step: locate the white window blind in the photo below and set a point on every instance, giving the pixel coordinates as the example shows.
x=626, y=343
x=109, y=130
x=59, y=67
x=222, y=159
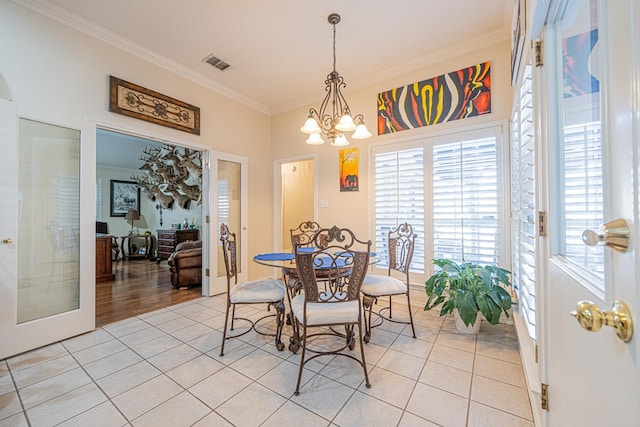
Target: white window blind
x=583, y=203
x=399, y=197
x=523, y=218
x=223, y=204
x=465, y=201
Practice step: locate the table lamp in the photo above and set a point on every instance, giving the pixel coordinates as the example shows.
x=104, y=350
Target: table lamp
x=132, y=215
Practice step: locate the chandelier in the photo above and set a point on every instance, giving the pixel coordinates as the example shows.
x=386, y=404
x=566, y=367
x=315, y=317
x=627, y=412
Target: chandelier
x=338, y=120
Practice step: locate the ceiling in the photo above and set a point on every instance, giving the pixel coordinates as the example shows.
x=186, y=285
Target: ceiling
x=280, y=51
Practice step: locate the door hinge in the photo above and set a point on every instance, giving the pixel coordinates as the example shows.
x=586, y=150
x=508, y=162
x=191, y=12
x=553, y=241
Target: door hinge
x=544, y=396
x=206, y=272
x=206, y=219
x=538, y=48
x=542, y=223
x=536, y=353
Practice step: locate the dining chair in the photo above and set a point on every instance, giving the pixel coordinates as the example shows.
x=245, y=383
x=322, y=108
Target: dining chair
x=319, y=311
x=266, y=291
x=303, y=234
x=400, y=244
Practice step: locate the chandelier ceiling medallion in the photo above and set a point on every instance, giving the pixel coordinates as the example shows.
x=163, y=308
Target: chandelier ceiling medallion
x=338, y=120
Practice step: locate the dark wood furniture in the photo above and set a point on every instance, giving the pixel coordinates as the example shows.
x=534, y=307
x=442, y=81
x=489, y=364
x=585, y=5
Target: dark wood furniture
x=169, y=239
x=104, y=270
x=131, y=250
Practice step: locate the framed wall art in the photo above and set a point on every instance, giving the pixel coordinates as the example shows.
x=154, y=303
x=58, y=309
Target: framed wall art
x=349, y=169
x=125, y=195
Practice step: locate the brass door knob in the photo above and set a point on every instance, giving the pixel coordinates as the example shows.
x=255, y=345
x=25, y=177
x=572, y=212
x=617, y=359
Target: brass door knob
x=7, y=240
x=614, y=234
x=591, y=318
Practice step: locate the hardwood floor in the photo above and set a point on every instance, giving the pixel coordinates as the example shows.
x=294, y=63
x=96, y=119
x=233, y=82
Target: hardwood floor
x=140, y=286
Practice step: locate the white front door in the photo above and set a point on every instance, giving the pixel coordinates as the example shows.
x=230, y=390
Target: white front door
x=592, y=67
x=47, y=281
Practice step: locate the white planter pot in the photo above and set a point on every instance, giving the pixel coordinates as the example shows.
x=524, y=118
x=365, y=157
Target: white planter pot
x=461, y=327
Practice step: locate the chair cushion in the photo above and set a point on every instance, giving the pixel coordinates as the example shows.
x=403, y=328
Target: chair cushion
x=378, y=285
x=266, y=290
x=319, y=313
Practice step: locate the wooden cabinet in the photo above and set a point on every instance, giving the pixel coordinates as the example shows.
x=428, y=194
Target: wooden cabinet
x=103, y=258
x=169, y=239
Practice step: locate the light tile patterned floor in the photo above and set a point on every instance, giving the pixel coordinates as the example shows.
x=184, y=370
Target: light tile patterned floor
x=164, y=369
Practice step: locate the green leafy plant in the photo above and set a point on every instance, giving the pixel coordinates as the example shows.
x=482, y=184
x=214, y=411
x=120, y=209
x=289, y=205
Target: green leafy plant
x=470, y=288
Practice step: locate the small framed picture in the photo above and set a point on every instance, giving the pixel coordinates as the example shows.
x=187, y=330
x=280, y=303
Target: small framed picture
x=125, y=195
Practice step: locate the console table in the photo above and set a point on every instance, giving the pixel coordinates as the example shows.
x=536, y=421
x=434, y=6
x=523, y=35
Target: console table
x=139, y=253
x=169, y=239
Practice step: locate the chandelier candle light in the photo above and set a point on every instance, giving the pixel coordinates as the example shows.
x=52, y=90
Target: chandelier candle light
x=340, y=119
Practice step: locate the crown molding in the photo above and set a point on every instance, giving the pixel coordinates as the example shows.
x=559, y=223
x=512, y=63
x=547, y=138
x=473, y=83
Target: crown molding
x=417, y=64
x=76, y=22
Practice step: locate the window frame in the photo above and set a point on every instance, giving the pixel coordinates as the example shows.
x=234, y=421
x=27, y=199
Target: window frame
x=499, y=129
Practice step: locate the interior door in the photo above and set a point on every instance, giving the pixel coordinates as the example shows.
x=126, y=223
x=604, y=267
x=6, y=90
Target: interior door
x=228, y=204
x=47, y=283
x=592, y=66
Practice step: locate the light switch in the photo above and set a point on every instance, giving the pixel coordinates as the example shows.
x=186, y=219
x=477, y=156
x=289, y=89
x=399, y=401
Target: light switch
x=324, y=203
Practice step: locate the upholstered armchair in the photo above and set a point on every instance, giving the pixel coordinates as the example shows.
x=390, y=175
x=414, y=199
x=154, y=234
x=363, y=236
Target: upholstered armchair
x=185, y=264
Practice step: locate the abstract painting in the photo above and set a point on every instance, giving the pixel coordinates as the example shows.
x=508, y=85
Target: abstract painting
x=453, y=96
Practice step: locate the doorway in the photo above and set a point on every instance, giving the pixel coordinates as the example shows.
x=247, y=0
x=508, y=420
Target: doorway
x=297, y=196
x=142, y=280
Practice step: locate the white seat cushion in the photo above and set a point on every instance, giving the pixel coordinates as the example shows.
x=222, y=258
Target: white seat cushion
x=266, y=290
x=320, y=313
x=377, y=285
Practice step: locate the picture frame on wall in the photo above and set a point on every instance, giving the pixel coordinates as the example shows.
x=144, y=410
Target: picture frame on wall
x=125, y=195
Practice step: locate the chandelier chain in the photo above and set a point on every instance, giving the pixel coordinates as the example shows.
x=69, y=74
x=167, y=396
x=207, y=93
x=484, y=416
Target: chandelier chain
x=334, y=47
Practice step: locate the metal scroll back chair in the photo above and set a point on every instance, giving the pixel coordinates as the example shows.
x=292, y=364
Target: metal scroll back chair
x=303, y=234
x=401, y=242
x=266, y=291
x=341, y=268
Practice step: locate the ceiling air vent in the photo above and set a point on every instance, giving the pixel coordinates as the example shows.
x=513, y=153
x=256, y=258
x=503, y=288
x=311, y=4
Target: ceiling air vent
x=216, y=62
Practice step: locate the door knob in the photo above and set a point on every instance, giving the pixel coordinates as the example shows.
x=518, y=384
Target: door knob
x=614, y=234
x=7, y=240
x=592, y=318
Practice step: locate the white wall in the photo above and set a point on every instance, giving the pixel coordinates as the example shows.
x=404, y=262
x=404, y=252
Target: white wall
x=60, y=75
x=351, y=209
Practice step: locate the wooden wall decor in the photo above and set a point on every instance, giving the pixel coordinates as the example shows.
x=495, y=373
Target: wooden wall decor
x=453, y=96
x=141, y=103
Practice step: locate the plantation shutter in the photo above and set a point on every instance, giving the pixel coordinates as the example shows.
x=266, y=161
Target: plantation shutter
x=465, y=201
x=523, y=218
x=399, y=197
x=583, y=194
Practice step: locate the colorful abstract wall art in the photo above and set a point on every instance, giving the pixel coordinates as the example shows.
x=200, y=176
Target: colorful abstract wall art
x=349, y=169
x=452, y=96
x=578, y=64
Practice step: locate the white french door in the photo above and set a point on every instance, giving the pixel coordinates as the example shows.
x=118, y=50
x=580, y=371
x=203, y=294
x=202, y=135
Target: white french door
x=228, y=200
x=592, y=69
x=47, y=268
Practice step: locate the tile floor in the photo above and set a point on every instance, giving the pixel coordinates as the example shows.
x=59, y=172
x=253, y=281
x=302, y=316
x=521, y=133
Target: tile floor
x=163, y=369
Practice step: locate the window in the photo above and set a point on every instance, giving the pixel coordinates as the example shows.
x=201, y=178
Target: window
x=448, y=188
x=523, y=207
x=465, y=201
x=399, y=197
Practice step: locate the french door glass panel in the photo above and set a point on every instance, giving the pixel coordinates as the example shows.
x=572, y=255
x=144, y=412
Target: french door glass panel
x=579, y=152
x=229, y=209
x=48, y=220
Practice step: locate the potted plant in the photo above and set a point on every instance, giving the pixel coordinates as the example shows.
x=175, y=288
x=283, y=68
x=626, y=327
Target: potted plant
x=467, y=288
